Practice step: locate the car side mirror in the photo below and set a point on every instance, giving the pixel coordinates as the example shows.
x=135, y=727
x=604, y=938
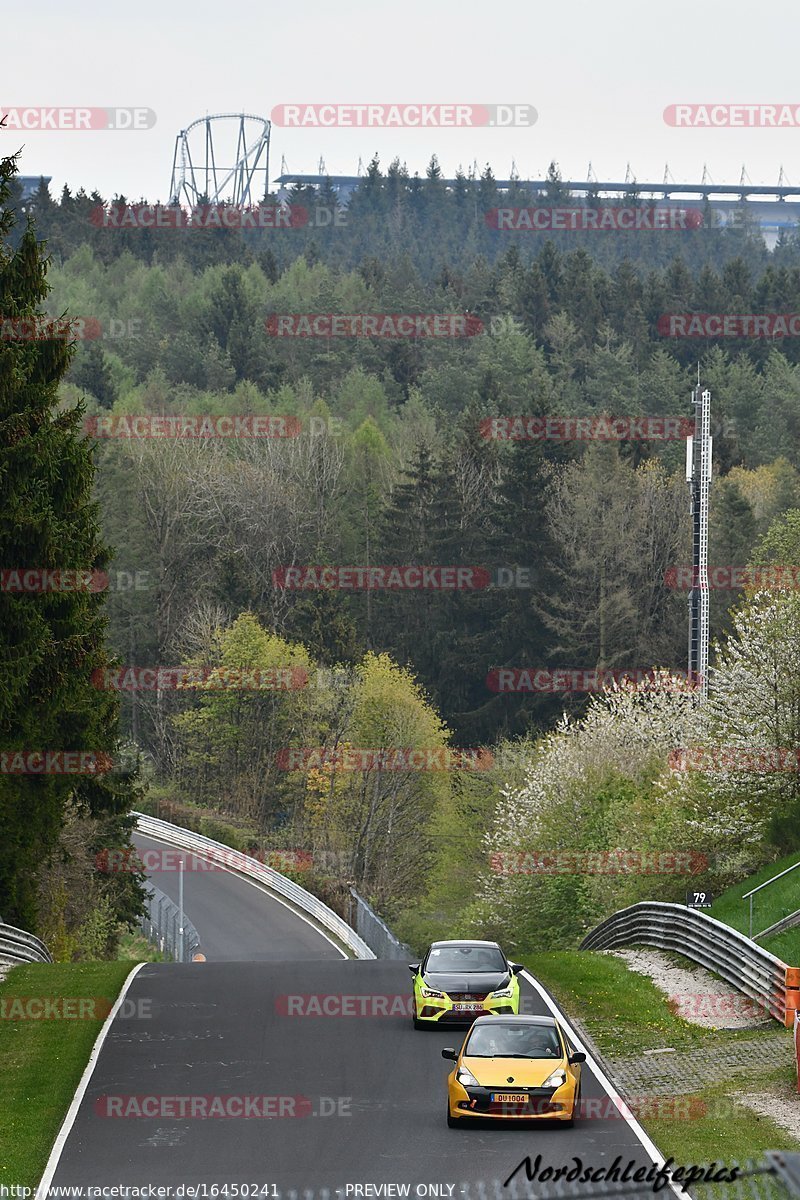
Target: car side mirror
x=577, y=1057
x=517, y=967
x=413, y=968
x=450, y=1053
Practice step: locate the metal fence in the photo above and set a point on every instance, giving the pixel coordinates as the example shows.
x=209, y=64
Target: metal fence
x=162, y=926
x=375, y=932
x=777, y=1177
x=243, y=864
x=17, y=946
x=717, y=947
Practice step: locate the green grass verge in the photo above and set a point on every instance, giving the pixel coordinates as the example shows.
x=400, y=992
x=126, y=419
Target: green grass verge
x=41, y=1061
x=625, y=1014
x=728, y=1131
x=776, y=901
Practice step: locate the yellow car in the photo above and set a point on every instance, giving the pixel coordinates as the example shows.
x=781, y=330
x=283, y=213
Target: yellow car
x=459, y=981
x=512, y=1069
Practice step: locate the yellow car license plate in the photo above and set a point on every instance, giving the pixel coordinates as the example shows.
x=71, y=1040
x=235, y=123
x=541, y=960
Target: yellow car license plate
x=509, y=1098
x=467, y=1007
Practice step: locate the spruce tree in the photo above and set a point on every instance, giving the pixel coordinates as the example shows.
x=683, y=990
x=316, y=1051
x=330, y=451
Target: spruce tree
x=50, y=640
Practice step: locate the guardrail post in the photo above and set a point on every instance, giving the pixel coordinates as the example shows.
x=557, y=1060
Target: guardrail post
x=792, y=995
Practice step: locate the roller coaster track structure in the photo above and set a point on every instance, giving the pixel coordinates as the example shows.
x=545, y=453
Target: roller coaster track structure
x=197, y=176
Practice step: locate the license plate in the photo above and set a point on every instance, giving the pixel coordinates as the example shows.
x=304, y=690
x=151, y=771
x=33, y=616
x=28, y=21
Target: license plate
x=509, y=1098
x=467, y=1007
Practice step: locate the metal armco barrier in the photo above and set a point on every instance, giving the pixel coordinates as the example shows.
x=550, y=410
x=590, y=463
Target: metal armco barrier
x=375, y=932
x=17, y=946
x=243, y=864
x=717, y=947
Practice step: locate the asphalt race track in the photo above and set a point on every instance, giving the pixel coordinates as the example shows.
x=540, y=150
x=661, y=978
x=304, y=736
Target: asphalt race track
x=237, y=921
x=368, y=1091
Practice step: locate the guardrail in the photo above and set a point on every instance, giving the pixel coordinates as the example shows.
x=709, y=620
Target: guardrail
x=375, y=932
x=244, y=864
x=17, y=946
x=738, y=960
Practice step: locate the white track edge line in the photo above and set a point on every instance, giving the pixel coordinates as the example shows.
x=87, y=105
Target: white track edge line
x=262, y=887
x=647, y=1142
x=69, y=1120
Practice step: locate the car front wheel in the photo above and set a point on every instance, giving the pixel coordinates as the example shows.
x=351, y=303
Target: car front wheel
x=453, y=1122
x=576, y=1109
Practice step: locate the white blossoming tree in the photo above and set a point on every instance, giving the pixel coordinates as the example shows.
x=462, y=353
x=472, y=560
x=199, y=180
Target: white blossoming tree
x=592, y=786
x=752, y=722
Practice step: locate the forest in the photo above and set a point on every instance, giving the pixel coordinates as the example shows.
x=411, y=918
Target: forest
x=496, y=449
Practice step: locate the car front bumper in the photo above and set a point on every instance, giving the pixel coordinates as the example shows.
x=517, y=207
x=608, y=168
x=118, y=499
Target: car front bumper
x=542, y=1104
x=444, y=1012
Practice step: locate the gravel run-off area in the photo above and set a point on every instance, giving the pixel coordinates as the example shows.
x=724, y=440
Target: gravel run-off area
x=695, y=994
x=701, y=998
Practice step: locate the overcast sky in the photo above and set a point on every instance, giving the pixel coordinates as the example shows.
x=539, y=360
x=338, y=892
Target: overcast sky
x=599, y=74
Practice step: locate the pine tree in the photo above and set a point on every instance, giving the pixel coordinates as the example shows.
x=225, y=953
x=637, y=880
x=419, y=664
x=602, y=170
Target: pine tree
x=522, y=540
x=404, y=621
x=50, y=641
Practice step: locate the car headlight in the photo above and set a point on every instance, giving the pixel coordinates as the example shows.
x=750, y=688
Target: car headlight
x=429, y=994
x=466, y=1077
x=557, y=1079
x=501, y=995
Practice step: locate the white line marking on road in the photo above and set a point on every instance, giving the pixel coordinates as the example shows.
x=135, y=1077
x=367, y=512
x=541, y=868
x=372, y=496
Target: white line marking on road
x=72, y=1112
x=648, y=1144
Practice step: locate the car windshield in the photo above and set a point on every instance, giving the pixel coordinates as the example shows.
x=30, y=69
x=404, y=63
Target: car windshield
x=513, y=1041
x=444, y=959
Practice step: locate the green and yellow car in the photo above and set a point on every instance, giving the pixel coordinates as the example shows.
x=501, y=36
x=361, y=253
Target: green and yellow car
x=459, y=981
